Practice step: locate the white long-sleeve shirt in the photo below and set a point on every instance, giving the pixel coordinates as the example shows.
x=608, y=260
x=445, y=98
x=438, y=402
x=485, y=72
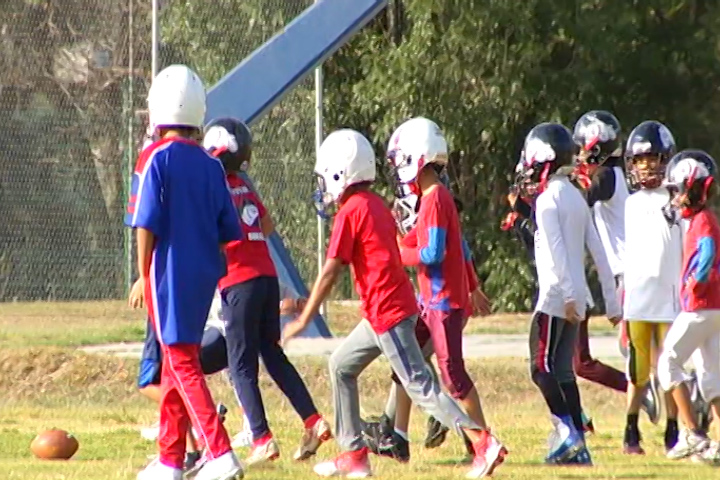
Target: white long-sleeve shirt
x=653, y=259
x=564, y=229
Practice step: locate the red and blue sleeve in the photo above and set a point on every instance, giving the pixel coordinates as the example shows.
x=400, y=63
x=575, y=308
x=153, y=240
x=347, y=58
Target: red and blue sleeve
x=228, y=221
x=145, y=205
x=705, y=259
x=434, y=252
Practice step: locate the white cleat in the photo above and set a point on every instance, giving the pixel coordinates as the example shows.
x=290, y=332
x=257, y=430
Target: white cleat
x=267, y=452
x=224, y=467
x=347, y=465
x=157, y=471
x=312, y=439
x=689, y=443
x=709, y=456
x=487, y=458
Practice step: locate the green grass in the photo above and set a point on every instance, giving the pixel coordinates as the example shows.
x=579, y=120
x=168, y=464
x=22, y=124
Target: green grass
x=95, y=398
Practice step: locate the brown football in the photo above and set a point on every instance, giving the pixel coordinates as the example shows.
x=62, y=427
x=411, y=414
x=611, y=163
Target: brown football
x=54, y=445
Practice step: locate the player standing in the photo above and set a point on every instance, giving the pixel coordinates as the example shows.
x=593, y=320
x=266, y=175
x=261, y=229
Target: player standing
x=695, y=333
x=564, y=228
x=182, y=214
x=653, y=261
x=250, y=295
x=363, y=236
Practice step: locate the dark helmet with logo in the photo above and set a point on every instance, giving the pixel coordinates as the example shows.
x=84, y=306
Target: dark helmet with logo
x=649, y=148
x=230, y=140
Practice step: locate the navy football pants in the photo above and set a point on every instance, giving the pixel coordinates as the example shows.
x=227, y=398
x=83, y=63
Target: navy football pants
x=252, y=315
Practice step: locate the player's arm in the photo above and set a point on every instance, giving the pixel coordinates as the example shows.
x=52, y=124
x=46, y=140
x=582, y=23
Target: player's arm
x=339, y=253
x=146, y=206
x=473, y=281
x=605, y=275
x=602, y=187
x=548, y=224
x=699, y=272
x=228, y=220
x=434, y=252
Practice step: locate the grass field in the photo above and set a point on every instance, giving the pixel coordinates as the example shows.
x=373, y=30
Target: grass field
x=45, y=383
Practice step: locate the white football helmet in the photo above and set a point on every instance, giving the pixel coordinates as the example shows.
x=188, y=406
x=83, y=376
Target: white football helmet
x=176, y=98
x=345, y=158
x=416, y=143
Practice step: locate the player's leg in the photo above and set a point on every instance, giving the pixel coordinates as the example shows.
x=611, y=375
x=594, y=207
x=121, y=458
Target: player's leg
x=563, y=371
x=640, y=336
x=707, y=363
x=183, y=366
x=348, y=360
x=687, y=333
x=286, y=376
x=591, y=369
x=399, y=345
x=149, y=377
x=242, y=309
x=446, y=335
x=672, y=432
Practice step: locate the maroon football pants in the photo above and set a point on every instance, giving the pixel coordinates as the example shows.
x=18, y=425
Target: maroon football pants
x=591, y=369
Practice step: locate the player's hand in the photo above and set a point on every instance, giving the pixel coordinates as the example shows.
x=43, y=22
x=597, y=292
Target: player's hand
x=480, y=303
x=614, y=321
x=137, y=294
x=571, y=314
x=292, y=329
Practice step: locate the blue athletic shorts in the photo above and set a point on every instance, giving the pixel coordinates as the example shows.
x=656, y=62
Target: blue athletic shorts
x=213, y=355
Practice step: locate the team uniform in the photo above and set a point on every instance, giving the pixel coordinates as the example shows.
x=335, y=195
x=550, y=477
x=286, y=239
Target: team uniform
x=250, y=297
x=180, y=195
x=695, y=333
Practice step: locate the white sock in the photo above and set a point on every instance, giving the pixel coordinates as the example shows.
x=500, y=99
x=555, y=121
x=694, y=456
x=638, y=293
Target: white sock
x=401, y=434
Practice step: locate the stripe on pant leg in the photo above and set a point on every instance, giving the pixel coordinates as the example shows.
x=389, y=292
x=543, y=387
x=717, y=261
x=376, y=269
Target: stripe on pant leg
x=401, y=351
x=188, y=405
x=542, y=357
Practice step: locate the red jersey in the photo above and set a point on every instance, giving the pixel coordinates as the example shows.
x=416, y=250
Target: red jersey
x=250, y=257
x=700, y=288
x=363, y=236
x=439, y=255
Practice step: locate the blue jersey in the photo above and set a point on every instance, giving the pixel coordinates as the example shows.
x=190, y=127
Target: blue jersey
x=180, y=194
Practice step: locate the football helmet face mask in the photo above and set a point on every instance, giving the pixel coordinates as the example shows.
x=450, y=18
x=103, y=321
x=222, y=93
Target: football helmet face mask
x=649, y=148
x=549, y=149
x=230, y=140
x=597, y=133
x=688, y=177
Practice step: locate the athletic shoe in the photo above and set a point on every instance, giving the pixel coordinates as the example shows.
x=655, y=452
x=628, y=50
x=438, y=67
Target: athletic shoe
x=689, y=443
x=348, y=464
x=264, y=452
x=564, y=441
x=651, y=400
x=631, y=442
x=158, y=471
x=394, y=446
x=224, y=467
x=489, y=454
x=242, y=439
x=436, y=433
x=709, y=456
x=581, y=459
x=312, y=439
x=588, y=426
x=373, y=431
x=191, y=459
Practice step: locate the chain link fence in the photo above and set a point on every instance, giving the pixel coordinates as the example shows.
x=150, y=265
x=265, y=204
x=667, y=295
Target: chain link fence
x=73, y=97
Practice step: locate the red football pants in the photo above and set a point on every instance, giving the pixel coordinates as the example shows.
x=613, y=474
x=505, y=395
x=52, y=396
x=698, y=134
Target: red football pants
x=186, y=399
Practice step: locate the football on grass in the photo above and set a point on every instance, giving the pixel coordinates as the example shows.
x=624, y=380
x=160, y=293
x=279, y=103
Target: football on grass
x=54, y=445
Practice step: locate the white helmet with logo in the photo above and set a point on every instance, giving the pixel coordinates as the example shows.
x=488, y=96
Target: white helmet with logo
x=416, y=143
x=345, y=158
x=176, y=99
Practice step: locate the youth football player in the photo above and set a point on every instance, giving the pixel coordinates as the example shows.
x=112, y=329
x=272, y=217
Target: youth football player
x=564, y=229
x=363, y=236
x=250, y=295
x=653, y=260
x=182, y=214
x=695, y=333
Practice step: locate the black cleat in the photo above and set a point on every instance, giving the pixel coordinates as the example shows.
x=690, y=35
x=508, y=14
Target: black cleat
x=436, y=433
x=394, y=446
x=671, y=435
x=374, y=431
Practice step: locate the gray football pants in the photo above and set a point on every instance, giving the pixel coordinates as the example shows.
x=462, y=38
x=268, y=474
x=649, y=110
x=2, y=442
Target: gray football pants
x=401, y=348
x=391, y=405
